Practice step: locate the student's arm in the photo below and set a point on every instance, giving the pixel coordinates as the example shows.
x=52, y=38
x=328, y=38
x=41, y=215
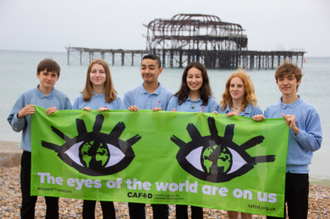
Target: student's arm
x=68, y=104
x=19, y=123
x=310, y=137
x=214, y=106
x=257, y=114
x=76, y=103
x=171, y=104
x=128, y=103
x=120, y=104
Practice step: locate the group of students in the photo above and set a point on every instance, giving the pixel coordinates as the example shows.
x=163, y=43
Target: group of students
x=194, y=95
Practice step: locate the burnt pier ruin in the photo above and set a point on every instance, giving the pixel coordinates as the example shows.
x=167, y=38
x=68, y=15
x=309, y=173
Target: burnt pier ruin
x=192, y=37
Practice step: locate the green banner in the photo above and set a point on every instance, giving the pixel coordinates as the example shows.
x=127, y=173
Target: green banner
x=200, y=159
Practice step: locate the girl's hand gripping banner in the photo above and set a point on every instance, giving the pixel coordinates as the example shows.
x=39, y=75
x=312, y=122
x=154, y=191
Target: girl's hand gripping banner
x=200, y=159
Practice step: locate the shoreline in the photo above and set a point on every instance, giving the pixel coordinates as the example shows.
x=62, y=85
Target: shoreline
x=10, y=202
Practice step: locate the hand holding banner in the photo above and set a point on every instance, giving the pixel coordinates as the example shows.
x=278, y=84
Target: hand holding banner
x=200, y=159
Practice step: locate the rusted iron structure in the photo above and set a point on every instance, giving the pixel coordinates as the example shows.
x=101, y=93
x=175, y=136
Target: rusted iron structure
x=195, y=37
x=84, y=56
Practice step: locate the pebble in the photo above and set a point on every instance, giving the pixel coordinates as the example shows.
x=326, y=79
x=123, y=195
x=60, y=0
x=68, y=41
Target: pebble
x=10, y=202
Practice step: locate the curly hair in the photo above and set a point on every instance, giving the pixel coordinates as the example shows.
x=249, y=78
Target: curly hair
x=249, y=96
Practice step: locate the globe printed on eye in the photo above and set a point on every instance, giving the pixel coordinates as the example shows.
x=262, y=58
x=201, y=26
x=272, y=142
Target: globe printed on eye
x=95, y=153
x=214, y=158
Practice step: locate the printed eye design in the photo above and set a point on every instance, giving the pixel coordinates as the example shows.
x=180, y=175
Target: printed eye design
x=95, y=153
x=217, y=159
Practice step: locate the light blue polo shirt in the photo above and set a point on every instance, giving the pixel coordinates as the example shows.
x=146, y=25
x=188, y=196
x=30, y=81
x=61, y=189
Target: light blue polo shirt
x=140, y=97
x=193, y=105
x=34, y=97
x=249, y=111
x=97, y=101
x=309, y=138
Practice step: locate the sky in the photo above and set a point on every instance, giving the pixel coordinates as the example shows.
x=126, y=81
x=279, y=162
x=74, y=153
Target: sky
x=39, y=25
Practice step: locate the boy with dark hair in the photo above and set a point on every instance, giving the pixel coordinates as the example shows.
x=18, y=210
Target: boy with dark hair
x=46, y=96
x=150, y=95
x=305, y=137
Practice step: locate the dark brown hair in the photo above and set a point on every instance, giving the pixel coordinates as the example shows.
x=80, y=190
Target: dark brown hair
x=205, y=90
x=50, y=66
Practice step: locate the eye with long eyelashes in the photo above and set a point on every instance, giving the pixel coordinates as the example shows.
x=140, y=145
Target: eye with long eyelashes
x=95, y=153
x=205, y=160
x=214, y=158
x=116, y=155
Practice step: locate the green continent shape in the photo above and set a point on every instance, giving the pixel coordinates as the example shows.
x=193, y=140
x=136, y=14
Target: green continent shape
x=84, y=151
x=102, y=155
x=206, y=157
x=223, y=160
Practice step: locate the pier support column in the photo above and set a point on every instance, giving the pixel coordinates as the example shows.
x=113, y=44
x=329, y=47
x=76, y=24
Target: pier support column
x=122, y=59
x=132, y=58
x=171, y=58
x=180, y=58
x=68, y=57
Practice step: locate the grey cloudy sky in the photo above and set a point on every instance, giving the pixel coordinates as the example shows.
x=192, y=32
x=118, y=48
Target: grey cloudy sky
x=50, y=25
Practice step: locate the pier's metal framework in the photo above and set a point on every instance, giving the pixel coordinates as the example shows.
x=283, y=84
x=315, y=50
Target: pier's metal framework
x=194, y=37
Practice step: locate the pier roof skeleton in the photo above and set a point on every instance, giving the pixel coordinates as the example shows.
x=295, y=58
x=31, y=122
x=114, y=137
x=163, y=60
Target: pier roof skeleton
x=196, y=32
x=193, y=37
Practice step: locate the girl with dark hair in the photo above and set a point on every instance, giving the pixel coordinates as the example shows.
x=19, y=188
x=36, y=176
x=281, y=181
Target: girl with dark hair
x=193, y=96
x=100, y=94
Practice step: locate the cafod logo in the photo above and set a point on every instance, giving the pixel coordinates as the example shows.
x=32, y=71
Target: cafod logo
x=214, y=158
x=95, y=153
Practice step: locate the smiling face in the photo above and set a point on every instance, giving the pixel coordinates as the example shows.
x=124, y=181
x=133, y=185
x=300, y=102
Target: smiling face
x=97, y=75
x=236, y=88
x=47, y=79
x=288, y=85
x=194, y=79
x=150, y=71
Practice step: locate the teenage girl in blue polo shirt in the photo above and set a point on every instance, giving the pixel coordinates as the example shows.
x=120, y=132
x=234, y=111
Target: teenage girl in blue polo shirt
x=239, y=99
x=100, y=94
x=193, y=96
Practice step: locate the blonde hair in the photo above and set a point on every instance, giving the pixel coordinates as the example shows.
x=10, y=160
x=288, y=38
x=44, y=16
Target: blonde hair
x=110, y=92
x=249, y=96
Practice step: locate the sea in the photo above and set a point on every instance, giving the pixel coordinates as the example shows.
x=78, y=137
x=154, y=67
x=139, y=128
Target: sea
x=18, y=72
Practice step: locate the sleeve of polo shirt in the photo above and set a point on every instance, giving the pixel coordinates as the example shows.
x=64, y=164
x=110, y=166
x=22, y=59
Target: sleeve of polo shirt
x=171, y=104
x=311, y=137
x=256, y=111
x=76, y=103
x=214, y=105
x=16, y=123
x=120, y=104
x=127, y=100
x=68, y=104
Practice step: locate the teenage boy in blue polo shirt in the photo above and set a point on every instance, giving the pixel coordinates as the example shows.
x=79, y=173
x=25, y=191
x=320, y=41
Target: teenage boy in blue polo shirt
x=150, y=95
x=46, y=96
x=305, y=137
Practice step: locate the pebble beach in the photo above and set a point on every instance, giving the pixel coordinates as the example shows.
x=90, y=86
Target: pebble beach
x=10, y=202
